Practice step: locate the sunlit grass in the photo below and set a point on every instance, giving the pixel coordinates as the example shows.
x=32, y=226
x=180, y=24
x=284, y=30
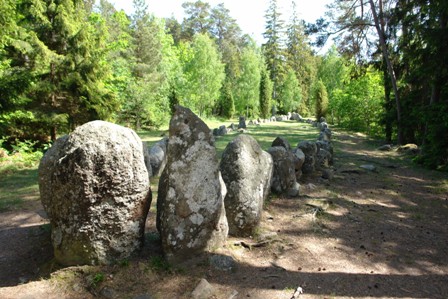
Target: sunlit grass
x=265, y=133
x=18, y=187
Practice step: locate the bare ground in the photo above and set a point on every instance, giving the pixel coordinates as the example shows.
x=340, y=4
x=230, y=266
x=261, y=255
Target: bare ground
x=365, y=234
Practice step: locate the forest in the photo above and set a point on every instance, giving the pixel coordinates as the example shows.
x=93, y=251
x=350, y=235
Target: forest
x=67, y=62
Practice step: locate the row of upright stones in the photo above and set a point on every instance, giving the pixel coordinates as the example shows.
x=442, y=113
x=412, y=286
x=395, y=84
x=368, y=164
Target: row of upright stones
x=94, y=185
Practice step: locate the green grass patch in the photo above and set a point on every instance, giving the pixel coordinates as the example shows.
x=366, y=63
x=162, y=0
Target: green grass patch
x=293, y=131
x=18, y=187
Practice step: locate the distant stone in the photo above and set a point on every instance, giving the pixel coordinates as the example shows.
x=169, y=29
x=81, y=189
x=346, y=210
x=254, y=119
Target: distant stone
x=94, y=186
x=222, y=130
x=247, y=171
x=368, y=167
x=410, y=149
x=299, y=159
x=242, y=123
x=323, y=159
x=191, y=191
x=327, y=174
x=157, y=156
x=385, y=148
x=281, y=141
x=309, y=148
x=233, y=127
x=284, y=177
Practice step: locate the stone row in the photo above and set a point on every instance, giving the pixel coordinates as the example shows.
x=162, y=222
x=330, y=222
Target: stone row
x=94, y=185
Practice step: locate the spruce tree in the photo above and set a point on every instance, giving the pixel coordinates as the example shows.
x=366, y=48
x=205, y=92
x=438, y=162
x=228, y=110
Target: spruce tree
x=273, y=49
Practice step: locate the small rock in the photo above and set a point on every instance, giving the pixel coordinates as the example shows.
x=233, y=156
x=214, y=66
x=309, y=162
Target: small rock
x=233, y=294
x=385, y=148
x=143, y=296
x=222, y=262
x=203, y=290
x=108, y=293
x=369, y=167
x=327, y=174
x=77, y=288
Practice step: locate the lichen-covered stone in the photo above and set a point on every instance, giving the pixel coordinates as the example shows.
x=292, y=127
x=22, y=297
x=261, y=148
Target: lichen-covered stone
x=247, y=171
x=157, y=156
x=299, y=159
x=284, y=176
x=191, y=216
x=94, y=185
x=309, y=148
x=281, y=141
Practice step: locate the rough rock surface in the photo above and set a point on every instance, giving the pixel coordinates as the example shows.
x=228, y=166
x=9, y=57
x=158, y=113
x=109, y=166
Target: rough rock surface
x=299, y=159
x=242, y=123
x=94, y=185
x=247, y=171
x=323, y=159
x=157, y=156
x=281, y=141
x=191, y=191
x=284, y=176
x=309, y=148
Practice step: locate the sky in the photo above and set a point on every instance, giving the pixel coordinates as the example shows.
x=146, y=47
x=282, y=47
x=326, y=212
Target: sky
x=249, y=14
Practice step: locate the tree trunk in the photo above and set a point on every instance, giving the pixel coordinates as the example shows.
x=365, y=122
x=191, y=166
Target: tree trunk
x=390, y=69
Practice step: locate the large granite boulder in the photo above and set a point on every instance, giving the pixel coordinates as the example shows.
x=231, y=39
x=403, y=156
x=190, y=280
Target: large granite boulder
x=190, y=202
x=284, y=176
x=247, y=171
x=157, y=156
x=94, y=185
x=309, y=148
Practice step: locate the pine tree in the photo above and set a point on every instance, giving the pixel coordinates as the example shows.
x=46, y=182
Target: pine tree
x=265, y=92
x=273, y=48
x=299, y=56
x=320, y=99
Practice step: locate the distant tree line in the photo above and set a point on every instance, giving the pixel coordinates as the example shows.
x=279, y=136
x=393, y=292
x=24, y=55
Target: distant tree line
x=66, y=62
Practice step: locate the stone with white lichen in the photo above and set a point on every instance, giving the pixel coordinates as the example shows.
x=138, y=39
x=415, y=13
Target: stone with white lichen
x=94, y=185
x=190, y=205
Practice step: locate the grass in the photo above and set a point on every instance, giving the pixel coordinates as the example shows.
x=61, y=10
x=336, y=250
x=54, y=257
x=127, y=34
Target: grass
x=17, y=188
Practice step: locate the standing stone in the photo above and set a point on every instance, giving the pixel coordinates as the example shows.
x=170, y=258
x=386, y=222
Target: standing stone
x=281, y=141
x=242, y=123
x=157, y=156
x=247, y=171
x=284, y=177
x=309, y=148
x=94, y=185
x=299, y=159
x=222, y=130
x=323, y=159
x=191, y=192
x=233, y=127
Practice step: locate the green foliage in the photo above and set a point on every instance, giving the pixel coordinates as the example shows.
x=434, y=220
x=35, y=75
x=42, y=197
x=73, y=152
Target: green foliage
x=320, y=99
x=247, y=89
x=158, y=263
x=204, y=74
x=265, y=93
x=359, y=104
x=290, y=93
x=96, y=279
x=23, y=154
x=226, y=104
